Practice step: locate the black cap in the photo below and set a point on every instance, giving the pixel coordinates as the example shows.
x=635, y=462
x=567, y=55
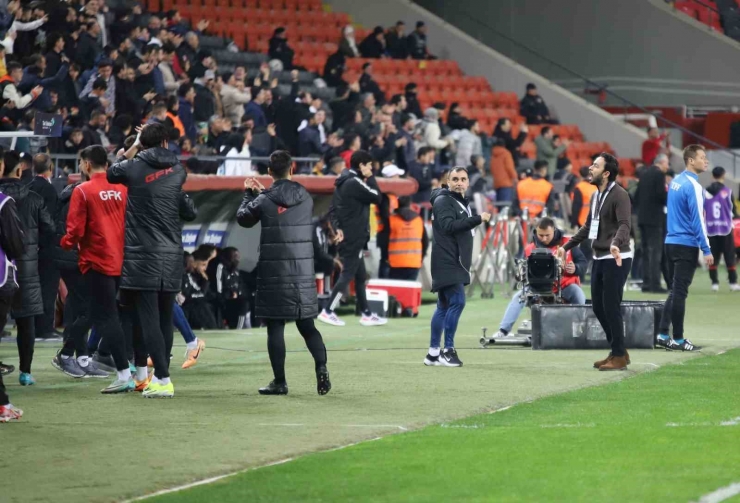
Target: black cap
x=531, y=86
x=364, y=67
x=105, y=62
x=420, y=24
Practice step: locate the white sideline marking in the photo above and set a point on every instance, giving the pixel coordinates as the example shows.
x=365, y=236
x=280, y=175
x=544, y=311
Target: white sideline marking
x=730, y=422
x=721, y=494
x=722, y=352
x=566, y=425
x=300, y=425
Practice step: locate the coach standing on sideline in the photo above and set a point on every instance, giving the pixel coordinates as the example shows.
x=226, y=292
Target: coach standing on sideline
x=608, y=226
x=452, y=253
x=687, y=234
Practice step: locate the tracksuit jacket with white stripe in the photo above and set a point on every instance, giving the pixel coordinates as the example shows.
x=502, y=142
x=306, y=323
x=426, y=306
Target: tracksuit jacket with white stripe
x=686, y=223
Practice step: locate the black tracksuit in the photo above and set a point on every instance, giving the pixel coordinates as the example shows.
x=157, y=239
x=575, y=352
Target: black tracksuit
x=351, y=214
x=650, y=199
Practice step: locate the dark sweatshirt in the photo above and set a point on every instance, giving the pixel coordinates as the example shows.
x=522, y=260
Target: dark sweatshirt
x=614, y=227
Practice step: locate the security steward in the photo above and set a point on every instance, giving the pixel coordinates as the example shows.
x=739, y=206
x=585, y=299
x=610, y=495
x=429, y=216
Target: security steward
x=535, y=193
x=407, y=243
x=581, y=198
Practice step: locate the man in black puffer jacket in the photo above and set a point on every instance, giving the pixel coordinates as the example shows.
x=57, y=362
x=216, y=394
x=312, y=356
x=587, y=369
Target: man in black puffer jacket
x=286, y=288
x=452, y=254
x=37, y=226
x=152, y=263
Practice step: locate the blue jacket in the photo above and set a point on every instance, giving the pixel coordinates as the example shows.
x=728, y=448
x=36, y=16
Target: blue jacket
x=32, y=78
x=686, y=223
x=185, y=113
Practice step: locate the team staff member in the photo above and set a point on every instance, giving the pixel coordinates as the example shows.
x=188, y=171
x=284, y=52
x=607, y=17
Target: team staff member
x=356, y=189
x=581, y=198
x=152, y=266
x=407, y=243
x=650, y=199
x=286, y=287
x=546, y=235
x=608, y=226
x=95, y=223
x=535, y=193
x=383, y=211
x=452, y=254
x=687, y=234
x=719, y=210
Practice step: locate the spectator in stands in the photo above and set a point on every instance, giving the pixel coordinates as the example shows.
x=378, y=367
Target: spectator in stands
x=334, y=69
x=399, y=101
x=54, y=54
x=374, y=44
x=169, y=77
x=343, y=107
x=91, y=133
x=503, y=171
x=88, y=48
x=186, y=94
x=535, y=193
x=368, y=85
x=237, y=145
x=121, y=129
x=95, y=100
x=188, y=51
x=204, y=106
x=75, y=144
x=533, y=108
x=406, y=153
x=566, y=175
x=233, y=98
x=280, y=50
x=455, y=118
x=431, y=132
x=254, y=107
x=335, y=166
x=478, y=182
x=203, y=62
x=395, y=41
x=218, y=133
x=105, y=71
x=513, y=145
x=422, y=170
x=11, y=93
x=547, y=151
x=653, y=145
x=368, y=110
x=347, y=45
x=412, y=103
x=416, y=42
x=469, y=145
x=310, y=142
x=353, y=143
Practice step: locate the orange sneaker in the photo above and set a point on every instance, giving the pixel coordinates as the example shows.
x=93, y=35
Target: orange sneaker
x=191, y=356
x=141, y=385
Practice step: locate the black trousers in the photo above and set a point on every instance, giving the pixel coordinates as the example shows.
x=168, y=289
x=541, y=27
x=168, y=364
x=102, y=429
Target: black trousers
x=103, y=291
x=607, y=287
x=723, y=246
x=354, y=268
x=76, y=317
x=200, y=314
x=652, y=256
x=404, y=273
x=154, y=315
x=49, y=275
x=682, y=261
x=5, y=303
x=276, y=345
x=234, y=311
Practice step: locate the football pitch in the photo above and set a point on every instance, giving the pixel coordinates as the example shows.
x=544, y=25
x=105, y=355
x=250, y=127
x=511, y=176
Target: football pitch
x=511, y=425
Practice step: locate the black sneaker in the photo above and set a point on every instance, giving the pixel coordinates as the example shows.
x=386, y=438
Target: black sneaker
x=669, y=344
x=104, y=363
x=6, y=369
x=323, y=384
x=432, y=361
x=275, y=389
x=686, y=345
x=92, y=370
x=448, y=358
x=49, y=337
x=68, y=366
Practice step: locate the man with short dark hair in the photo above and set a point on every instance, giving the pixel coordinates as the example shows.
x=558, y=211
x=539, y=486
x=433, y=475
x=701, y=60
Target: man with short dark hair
x=452, y=255
x=152, y=267
x=608, y=228
x=407, y=241
x=105, y=72
x=720, y=209
x=286, y=288
x=422, y=170
x=533, y=108
x=416, y=42
x=687, y=235
x=356, y=189
x=535, y=193
x=548, y=151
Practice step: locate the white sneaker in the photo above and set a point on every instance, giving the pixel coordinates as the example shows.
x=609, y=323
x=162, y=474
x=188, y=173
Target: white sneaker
x=735, y=287
x=501, y=334
x=715, y=287
x=330, y=318
x=372, y=321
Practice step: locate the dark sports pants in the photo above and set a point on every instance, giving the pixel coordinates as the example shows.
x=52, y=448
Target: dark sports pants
x=723, y=245
x=682, y=261
x=49, y=276
x=103, y=291
x=76, y=319
x=652, y=253
x=276, y=345
x=154, y=314
x=354, y=268
x=607, y=287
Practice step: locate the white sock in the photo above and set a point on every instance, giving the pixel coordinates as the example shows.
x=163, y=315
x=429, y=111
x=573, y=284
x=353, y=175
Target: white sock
x=124, y=375
x=141, y=373
x=193, y=345
x=433, y=351
x=163, y=381
x=83, y=361
x=64, y=357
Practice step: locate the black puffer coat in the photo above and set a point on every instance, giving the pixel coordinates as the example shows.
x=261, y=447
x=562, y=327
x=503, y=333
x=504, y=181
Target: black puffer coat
x=37, y=223
x=64, y=260
x=452, y=248
x=286, y=284
x=152, y=258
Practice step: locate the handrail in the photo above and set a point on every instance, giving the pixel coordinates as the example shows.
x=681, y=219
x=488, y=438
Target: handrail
x=599, y=87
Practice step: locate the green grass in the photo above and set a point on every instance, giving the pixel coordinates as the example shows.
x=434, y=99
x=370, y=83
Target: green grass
x=75, y=444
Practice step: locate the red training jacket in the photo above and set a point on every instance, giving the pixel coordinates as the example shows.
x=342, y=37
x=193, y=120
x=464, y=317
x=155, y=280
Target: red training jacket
x=566, y=279
x=95, y=222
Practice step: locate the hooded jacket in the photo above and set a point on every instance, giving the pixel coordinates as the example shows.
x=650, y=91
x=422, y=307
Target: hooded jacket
x=350, y=208
x=286, y=287
x=152, y=253
x=66, y=260
x=452, y=248
x=37, y=224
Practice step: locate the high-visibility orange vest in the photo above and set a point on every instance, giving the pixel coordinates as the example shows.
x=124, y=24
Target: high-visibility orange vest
x=533, y=195
x=392, y=206
x=587, y=190
x=404, y=246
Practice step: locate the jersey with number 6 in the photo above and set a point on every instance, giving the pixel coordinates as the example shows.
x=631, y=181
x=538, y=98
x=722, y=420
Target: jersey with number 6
x=718, y=209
